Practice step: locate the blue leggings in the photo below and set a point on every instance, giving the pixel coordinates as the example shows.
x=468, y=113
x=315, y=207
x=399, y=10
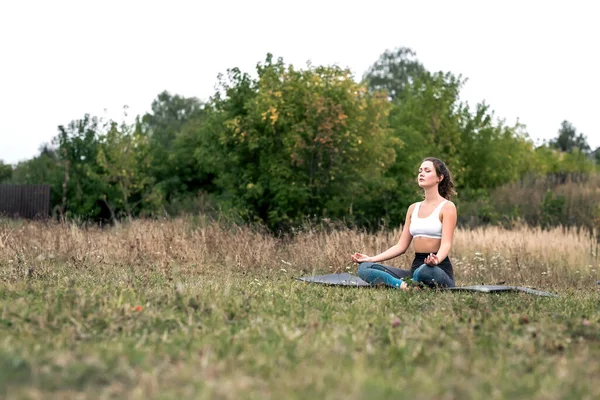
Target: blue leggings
x=374, y=274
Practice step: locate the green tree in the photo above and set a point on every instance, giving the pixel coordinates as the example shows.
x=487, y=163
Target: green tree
x=194, y=165
x=492, y=154
x=45, y=168
x=82, y=186
x=124, y=158
x=425, y=118
x=6, y=172
x=171, y=168
x=394, y=71
x=562, y=165
x=576, y=162
x=568, y=139
x=295, y=143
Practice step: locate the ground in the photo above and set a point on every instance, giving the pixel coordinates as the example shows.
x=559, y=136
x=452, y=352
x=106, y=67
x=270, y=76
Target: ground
x=97, y=317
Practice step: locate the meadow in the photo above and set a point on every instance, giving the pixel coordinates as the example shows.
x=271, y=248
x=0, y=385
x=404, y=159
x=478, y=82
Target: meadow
x=190, y=308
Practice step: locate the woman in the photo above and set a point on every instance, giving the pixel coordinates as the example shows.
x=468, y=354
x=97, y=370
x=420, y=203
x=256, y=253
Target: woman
x=430, y=225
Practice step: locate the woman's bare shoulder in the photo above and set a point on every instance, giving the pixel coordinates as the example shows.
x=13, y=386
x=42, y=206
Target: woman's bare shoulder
x=412, y=206
x=448, y=207
x=449, y=204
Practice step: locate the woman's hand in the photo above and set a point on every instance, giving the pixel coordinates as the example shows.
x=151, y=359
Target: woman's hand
x=359, y=258
x=432, y=260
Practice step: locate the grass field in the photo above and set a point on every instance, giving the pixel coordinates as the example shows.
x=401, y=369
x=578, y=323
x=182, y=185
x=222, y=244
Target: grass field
x=187, y=309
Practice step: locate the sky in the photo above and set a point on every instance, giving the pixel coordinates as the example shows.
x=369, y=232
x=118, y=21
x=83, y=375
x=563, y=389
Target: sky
x=532, y=62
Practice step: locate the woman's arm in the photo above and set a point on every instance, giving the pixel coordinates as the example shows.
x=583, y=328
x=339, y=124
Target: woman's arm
x=406, y=237
x=448, y=226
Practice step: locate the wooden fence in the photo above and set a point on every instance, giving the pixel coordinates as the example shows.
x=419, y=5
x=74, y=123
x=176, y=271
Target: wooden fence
x=25, y=201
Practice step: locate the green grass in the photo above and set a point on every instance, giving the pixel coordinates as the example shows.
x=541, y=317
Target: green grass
x=69, y=332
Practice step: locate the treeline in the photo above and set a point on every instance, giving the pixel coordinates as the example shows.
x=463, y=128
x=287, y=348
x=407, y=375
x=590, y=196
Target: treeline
x=289, y=145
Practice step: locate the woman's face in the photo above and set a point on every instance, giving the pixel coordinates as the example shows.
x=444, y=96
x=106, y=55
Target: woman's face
x=427, y=176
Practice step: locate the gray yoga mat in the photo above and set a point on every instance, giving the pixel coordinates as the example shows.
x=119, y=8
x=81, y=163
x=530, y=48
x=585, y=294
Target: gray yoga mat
x=346, y=279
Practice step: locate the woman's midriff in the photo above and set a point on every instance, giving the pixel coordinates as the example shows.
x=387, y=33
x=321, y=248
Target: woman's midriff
x=426, y=245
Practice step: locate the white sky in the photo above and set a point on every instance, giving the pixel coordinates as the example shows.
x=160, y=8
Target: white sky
x=537, y=62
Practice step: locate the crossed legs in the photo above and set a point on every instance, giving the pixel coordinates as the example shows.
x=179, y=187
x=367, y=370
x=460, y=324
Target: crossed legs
x=374, y=274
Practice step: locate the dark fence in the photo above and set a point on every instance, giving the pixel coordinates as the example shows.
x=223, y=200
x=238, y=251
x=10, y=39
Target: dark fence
x=25, y=201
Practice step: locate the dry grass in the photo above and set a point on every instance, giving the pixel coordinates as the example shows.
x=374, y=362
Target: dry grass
x=579, y=203
x=531, y=256
x=189, y=309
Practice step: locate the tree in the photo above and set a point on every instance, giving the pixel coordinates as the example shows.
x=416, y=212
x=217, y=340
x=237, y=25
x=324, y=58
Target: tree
x=77, y=146
x=568, y=140
x=492, y=154
x=124, y=157
x=568, y=155
x=295, y=143
x=44, y=168
x=6, y=171
x=41, y=169
x=169, y=114
x=163, y=125
x=394, y=71
x=425, y=118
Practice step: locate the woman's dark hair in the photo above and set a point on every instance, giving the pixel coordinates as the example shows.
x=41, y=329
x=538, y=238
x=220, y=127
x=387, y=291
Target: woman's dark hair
x=446, y=186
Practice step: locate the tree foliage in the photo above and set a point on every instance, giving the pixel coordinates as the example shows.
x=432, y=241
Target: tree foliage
x=125, y=159
x=568, y=140
x=6, y=172
x=394, y=71
x=295, y=143
x=285, y=144
x=162, y=126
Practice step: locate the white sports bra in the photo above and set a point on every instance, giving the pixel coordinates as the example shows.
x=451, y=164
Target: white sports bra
x=430, y=227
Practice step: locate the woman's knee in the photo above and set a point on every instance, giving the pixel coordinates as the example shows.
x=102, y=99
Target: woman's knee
x=364, y=267
x=375, y=274
x=432, y=275
x=422, y=274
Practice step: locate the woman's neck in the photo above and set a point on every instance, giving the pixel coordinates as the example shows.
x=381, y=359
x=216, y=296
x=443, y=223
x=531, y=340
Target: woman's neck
x=432, y=195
